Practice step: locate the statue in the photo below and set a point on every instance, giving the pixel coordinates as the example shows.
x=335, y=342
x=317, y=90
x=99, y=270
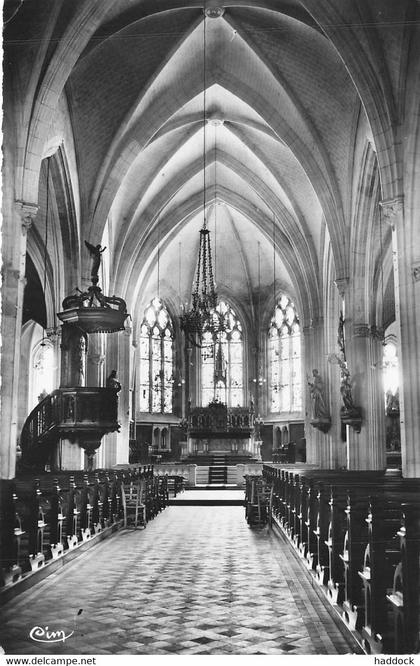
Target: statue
x=42, y=395
x=95, y=253
x=112, y=381
x=340, y=336
x=392, y=403
x=317, y=392
x=345, y=389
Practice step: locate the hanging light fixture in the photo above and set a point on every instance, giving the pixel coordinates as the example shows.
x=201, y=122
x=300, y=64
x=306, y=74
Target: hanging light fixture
x=203, y=315
x=259, y=379
x=43, y=342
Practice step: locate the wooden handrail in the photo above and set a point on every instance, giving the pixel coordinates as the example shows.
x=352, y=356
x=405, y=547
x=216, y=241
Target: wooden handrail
x=69, y=410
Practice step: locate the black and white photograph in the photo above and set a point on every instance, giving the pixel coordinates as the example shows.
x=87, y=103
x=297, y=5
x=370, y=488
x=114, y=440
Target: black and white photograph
x=210, y=331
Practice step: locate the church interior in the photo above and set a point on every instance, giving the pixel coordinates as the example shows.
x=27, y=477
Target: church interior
x=210, y=327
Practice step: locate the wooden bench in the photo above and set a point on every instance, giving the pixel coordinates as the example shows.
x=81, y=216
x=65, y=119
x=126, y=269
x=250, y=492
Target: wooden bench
x=40, y=520
x=346, y=527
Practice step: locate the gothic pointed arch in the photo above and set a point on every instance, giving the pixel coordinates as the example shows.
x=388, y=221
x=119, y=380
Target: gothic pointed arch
x=156, y=359
x=222, y=361
x=284, y=358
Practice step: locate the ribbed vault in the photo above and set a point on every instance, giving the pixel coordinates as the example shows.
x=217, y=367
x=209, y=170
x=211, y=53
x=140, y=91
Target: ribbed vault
x=276, y=138
x=280, y=131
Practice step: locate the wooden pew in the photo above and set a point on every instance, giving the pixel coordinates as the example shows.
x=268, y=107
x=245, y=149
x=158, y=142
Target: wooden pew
x=11, y=537
x=377, y=573
x=40, y=521
x=404, y=598
x=344, y=526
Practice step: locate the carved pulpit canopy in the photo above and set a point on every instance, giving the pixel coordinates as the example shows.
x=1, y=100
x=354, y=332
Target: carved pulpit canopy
x=92, y=311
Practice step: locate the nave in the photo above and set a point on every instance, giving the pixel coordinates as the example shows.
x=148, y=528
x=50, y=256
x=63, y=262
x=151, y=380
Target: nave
x=197, y=581
x=211, y=271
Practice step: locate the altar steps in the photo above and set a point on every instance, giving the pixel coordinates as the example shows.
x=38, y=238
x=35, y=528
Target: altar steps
x=210, y=496
x=231, y=459
x=218, y=469
x=205, y=478
x=212, y=474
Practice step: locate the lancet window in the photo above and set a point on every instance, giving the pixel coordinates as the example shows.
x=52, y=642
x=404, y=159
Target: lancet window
x=156, y=359
x=222, y=361
x=284, y=358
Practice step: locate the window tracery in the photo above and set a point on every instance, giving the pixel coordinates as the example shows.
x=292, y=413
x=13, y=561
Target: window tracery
x=222, y=361
x=156, y=359
x=284, y=358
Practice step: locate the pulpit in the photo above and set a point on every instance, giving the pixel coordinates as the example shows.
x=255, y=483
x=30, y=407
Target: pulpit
x=80, y=414
x=75, y=417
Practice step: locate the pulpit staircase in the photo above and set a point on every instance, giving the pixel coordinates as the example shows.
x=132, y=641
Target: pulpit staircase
x=67, y=412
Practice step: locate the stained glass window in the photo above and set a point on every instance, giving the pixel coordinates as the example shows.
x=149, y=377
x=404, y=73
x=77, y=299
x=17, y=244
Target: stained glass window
x=222, y=362
x=156, y=359
x=284, y=358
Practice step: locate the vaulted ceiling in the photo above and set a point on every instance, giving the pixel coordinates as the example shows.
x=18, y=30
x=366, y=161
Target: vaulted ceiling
x=247, y=110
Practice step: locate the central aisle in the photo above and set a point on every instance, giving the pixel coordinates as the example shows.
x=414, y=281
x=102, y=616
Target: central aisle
x=197, y=580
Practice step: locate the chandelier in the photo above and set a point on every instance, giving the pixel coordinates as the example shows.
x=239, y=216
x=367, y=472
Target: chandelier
x=203, y=314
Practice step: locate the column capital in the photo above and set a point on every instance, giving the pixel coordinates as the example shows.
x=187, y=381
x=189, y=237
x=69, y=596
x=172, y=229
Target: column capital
x=342, y=284
x=27, y=213
x=361, y=330
x=392, y=210
x=53, y=333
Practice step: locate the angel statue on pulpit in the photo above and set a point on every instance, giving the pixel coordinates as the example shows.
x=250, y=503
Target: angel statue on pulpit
x=95, y=253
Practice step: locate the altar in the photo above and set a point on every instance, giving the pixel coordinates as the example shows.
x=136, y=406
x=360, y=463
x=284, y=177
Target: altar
x=228, y=445
x=218, y=429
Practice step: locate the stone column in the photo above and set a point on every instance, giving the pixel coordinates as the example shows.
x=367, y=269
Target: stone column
x=321, y=447
x=313, y=453
x=54, y=335
x=115, y=445
x=73, y=356
x=13, y=284
x=95, y=361
x=335, y=433
x=124, y=370
x=366, y=449
x=73, y=373
x=407, y=298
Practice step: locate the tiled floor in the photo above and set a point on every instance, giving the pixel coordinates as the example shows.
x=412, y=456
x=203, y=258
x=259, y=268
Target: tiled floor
x=197, y=580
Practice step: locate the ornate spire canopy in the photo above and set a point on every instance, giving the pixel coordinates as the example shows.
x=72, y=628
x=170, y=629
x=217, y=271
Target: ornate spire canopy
x=91, y=310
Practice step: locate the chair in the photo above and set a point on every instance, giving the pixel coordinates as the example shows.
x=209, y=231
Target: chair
x=133, y=503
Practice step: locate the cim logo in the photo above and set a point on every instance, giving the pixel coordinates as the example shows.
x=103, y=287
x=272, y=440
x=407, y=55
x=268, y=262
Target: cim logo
x=45, y=635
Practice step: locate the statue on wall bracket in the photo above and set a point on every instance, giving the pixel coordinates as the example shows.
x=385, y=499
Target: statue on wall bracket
x=350, y=414
x=321, y=419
